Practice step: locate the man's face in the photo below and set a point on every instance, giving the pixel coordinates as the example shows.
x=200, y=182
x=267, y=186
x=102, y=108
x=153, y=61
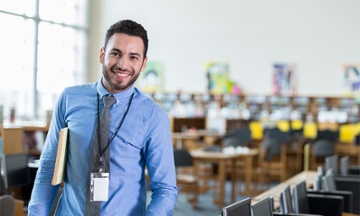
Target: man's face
x=122, y=59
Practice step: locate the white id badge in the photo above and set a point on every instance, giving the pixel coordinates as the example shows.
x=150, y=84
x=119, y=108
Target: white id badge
x=99, y=187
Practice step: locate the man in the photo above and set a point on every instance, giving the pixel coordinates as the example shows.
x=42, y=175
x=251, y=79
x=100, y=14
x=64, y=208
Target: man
x=139, y=137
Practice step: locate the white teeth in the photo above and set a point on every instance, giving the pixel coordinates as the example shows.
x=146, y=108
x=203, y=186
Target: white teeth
x=122, y=75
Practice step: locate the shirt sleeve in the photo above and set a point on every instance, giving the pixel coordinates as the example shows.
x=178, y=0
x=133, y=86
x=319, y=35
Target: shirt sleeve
x=161, y=167
x=44, y=193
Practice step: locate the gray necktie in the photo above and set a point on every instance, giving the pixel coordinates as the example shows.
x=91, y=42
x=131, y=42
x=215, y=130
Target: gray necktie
x=93, y=208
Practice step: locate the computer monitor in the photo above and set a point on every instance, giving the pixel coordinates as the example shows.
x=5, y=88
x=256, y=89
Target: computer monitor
x=344, y=165
x=300, y=200
x=262, y=208
x=15, y=171
x=331, y=162
x=328, y=183
x=285, y=201
x=241, y=208
x=357, y=139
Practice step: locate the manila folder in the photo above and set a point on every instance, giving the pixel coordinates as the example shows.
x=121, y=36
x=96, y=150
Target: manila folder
x=60, y=157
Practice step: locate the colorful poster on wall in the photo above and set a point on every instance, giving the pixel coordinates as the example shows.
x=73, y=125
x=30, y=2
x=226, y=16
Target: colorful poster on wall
x=152, y=78
x=351, y=74
x=284, y=78
x=217, y=74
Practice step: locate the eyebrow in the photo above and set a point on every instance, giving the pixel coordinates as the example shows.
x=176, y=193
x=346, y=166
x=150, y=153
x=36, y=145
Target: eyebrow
x=132, y=53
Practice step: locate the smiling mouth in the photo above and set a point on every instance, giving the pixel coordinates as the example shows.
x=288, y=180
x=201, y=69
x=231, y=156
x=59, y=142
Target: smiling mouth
x=121, y=74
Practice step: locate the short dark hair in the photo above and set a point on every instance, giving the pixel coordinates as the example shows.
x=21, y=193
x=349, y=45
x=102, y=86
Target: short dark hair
x=128, y=27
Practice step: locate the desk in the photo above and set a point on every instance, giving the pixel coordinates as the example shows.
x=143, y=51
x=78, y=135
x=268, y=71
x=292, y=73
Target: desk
x=349, y=149
x=307, y=176
x=221, y=159
x=348, y=214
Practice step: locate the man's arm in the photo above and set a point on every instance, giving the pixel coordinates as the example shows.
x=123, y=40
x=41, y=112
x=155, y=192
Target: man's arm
x=161, y=167
x=43, y=193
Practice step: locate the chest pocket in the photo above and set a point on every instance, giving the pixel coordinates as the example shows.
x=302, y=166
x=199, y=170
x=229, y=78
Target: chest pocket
x=133, y=132
x=132, y=138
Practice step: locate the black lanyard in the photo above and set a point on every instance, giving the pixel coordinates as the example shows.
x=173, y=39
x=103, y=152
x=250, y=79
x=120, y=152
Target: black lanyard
x=117, y=129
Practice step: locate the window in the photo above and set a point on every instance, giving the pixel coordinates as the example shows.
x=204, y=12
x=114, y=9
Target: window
x=42, y=52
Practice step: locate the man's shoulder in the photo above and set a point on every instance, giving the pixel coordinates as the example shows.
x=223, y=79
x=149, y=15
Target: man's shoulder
x=149, y=104
x=81, y=89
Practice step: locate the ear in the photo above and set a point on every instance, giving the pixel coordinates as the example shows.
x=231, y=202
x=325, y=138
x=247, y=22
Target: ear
x=102, y=55
x=144, y=64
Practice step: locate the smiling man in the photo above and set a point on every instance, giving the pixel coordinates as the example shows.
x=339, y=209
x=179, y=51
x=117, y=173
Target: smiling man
x=108, y=177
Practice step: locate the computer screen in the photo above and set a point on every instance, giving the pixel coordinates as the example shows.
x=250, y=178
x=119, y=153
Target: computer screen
x=14, y=170
x=241, y=208
x=329, y=183
x=300, y=200
x=357, y=139
x=262, y=208
x=344, y=165
x=331, y=162
x=285, y=201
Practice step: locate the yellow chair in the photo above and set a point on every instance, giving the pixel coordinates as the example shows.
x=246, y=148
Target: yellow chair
x=256, y=130
x=347, y=133
x=297, y=124
x=283, y=125
x=310, y=130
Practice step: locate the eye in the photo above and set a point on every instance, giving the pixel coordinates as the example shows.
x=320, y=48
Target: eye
x=115, y=54
x=134, y=57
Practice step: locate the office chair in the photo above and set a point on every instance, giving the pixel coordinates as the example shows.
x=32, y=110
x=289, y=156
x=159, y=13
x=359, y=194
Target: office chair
x=239, y=137
x=7, y=205
x=323, y=147
x=272, y=157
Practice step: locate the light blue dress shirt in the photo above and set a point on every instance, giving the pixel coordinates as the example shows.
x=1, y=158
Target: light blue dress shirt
x=144, y=139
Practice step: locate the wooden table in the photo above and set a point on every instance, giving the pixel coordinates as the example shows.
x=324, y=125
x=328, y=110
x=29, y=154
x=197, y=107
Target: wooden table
x=221, y=159
x=191, y=139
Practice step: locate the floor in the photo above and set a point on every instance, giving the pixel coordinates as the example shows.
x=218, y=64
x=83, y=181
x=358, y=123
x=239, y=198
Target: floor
x=206, y=205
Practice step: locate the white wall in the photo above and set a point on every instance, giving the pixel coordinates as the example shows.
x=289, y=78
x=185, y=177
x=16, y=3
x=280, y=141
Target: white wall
x=318, y=35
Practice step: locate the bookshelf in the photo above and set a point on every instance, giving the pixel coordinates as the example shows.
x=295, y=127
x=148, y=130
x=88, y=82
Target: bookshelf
x=12, y=139
x=23, y=139
x=256, y=107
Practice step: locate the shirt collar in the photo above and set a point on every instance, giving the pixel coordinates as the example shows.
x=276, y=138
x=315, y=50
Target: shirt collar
x=121, y=96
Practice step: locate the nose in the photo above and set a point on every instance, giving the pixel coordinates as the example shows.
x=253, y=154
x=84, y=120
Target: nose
x=122, y=64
